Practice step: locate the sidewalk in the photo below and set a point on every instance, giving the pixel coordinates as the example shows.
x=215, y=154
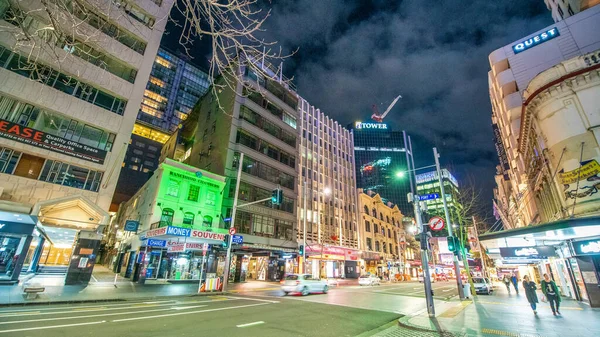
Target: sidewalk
x=503, y=314
x=103, y=288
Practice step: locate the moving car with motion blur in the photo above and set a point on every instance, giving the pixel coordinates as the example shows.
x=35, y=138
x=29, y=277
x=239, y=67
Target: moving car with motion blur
x=369, y=280
x=303, y=284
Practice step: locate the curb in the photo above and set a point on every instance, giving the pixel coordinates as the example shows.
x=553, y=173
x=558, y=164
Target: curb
x=442, y=333
x=23, y=304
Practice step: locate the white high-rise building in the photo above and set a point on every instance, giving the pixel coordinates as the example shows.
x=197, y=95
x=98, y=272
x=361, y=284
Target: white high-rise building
x=327, y=169
x=67, y=111
x=513, y=67
x=562, y=9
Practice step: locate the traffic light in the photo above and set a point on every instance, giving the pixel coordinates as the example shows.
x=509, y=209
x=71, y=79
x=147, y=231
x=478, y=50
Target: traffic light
x=225, y=242
x=452, y=244
x=301, y=250
x=277, y=196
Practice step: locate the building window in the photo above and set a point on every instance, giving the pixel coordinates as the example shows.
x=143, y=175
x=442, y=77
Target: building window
x=391, y=249
x=374, y=213
x=367, y=226
x=207, y=221
x=193, y=193
x=70, y=175
x=369, y=244
x=166, y=218
x=173, y=188
x=381, y=216
x=366, y=210
x=375, y=228
x=389, y=233
x=8, y=160
x=387, y=219
x=377, y=249
x=382, y=230
x=384, y=247
x=188, y=220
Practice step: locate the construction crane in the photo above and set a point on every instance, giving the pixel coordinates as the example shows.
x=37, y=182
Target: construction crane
x=379, y=117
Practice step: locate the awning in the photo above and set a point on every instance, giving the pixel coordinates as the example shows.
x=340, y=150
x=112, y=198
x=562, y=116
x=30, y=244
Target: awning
x=16, y=223
x=560, y=230
x=191, y=235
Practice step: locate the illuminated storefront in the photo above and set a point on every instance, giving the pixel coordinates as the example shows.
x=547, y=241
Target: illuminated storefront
x=178, y=210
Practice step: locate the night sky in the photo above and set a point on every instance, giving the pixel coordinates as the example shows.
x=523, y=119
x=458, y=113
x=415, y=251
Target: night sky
x=353, y=54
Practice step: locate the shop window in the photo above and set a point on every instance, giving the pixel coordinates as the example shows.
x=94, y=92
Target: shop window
x=207, y=221
x=166, y=218
x=188, y=219
x=193, y=193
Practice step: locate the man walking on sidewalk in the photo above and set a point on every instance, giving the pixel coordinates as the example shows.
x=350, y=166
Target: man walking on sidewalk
x=515, y=282
x=506, y=281
x=550, y=289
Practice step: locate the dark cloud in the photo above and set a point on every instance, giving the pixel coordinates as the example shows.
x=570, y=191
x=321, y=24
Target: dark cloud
x=357, y=53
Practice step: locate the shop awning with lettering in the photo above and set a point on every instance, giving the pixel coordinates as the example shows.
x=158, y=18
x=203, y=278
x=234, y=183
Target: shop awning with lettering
x=191, y=235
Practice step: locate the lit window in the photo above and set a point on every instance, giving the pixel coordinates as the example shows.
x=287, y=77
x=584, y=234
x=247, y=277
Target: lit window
x=163, y=62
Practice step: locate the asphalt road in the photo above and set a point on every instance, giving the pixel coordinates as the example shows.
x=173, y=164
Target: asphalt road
x=344, y=311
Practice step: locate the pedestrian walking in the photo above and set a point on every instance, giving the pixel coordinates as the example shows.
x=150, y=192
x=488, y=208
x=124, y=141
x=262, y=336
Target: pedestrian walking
x=515, y=282
x=550, y=290
x=506, y=281
x=530, y=288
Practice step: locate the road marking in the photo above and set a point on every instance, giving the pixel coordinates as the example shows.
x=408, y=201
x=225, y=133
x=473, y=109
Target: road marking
x=188, y=307
x=52, y=327
x=252, y=299
x=250, y=324
x=187, y=312
x=83, y=306
x=447, y=290
x=499, y=332
x=155, y=302
x=95, y=279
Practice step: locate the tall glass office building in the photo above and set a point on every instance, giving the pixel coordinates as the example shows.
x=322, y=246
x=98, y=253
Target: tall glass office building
x=174, y=87
x=380, y=154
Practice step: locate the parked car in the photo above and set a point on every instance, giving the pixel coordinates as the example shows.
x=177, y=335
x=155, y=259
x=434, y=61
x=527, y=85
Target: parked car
x=304, y=284
x=483, y=285
x=369, y=280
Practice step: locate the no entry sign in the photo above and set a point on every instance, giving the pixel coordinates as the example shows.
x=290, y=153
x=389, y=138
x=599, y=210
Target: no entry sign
x=436, y=223
x=232, y=231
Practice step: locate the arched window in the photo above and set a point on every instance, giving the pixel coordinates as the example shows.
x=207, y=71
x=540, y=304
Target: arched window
x=366, y=210
x=387, y=219
x=188, y=220
x=384, y=247
x=381, y=216
x=166, y=218
x=394, y=222
x=374, y=213
x=375, y=228
x=207, y=222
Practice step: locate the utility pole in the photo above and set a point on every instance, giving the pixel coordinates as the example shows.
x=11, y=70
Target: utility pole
x=232, y=222
x=424, y=257
x=448, y=224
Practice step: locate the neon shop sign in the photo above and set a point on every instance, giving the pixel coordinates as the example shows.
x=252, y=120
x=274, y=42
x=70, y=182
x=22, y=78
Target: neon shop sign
x=536, y=40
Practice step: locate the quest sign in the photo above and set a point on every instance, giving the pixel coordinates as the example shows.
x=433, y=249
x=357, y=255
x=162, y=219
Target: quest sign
x=22, y=134
x=536, y=40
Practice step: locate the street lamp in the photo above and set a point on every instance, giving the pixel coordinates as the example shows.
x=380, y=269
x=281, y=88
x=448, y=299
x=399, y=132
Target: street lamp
x=400, y=174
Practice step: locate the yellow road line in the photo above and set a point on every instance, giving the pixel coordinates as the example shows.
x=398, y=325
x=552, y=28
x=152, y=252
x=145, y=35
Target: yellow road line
x=499, y=332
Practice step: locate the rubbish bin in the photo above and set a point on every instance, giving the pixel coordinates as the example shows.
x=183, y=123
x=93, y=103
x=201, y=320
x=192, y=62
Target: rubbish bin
x=467, y=290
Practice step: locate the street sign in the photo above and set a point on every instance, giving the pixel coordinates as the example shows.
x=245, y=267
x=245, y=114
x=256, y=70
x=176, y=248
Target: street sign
x=436, y=223
x=430, y=196
x=131, y=225
x=237, y=239
x=232, y=231
x=226, y=219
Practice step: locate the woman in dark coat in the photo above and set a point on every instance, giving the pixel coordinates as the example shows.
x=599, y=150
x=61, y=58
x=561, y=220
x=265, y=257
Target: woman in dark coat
x=530, y=288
